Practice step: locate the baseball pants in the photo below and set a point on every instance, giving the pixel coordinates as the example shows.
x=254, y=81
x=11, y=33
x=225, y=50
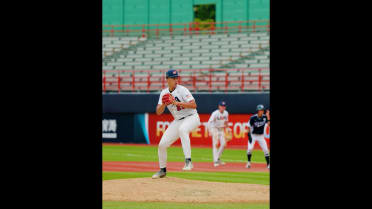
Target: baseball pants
x=177, y=129
x=261, y=141
x=218, y=135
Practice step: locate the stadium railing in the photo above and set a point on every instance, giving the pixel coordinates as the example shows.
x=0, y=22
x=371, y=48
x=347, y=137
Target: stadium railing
x=193, y=28
x=210, y=80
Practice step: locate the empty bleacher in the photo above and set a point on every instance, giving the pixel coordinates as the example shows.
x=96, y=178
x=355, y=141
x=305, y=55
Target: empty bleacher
x=186, y=52
x=148, y=58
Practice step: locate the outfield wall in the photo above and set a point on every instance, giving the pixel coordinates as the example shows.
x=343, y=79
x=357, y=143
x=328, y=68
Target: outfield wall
x=120, y=12
x=237, y=103
x=131, y=118
x=148, y=128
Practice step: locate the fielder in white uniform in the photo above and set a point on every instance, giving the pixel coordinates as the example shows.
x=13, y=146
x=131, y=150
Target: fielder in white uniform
x=256, y=130
x=217, y=124
x=182, y=106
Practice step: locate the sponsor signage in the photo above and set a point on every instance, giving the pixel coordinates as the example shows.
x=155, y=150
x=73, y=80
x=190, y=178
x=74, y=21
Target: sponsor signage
x=200, y=136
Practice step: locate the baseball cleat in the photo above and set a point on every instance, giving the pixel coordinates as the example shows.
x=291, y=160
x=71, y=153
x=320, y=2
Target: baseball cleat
x=248, y=165
x=215, y=164
x=221, y=162
x=188, y=166
x=268, y=166
x=159, y=174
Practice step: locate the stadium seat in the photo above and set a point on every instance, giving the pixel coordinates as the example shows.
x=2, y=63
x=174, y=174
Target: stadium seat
x=206, y=51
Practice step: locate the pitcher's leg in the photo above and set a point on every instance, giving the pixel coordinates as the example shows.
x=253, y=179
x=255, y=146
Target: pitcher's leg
x=168, y=138
x=187, y=125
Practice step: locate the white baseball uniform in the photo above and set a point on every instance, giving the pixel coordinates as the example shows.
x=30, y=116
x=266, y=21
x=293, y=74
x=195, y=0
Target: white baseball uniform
x=216, y=124
x=185, y=120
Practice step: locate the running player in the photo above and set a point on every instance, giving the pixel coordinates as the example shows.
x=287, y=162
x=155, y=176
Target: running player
x=217, y=124
x=256, y=127
x=181, y=104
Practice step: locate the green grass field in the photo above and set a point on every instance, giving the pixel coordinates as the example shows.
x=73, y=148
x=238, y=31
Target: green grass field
x=175, y=154
x=231, y=177
x=165, y=205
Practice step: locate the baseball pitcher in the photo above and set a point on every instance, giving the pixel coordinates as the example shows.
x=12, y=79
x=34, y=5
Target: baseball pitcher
x=256, y=127
x=217, y=124
x=181, y=104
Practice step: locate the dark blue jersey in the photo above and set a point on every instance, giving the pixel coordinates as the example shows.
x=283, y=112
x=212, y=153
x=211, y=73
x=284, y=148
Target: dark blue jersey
x=257, y=124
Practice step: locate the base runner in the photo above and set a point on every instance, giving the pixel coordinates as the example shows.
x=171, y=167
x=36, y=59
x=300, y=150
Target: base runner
x=256, y=127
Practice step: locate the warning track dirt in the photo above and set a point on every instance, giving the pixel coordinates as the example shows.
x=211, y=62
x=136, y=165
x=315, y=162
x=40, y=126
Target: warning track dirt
x=177, y=166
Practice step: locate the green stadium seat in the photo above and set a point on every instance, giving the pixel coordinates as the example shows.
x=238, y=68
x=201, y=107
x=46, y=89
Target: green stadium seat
x=183, y=66
x=153, y=55
x=182, y=44
x=190, y=52
x=222, y=50
x=254, y=61
x=212, y=47
x=259, y=65
x=193, y=62
x=200, y=58
x=181, y=58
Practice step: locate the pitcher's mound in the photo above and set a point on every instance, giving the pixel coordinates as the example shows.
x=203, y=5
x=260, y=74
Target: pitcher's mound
x=170, y=189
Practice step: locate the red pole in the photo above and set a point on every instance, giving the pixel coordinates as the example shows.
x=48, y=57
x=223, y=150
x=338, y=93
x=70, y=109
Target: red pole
x=112, y=31
x=210, y=80
x=226, y=81
x=133, y=81
x=148, y=82
x=162, y=82
x=119, y=82
x=193, y=81
x=170, y=30
x=259, y=79
x=143, y=31
x=254, y=26
x=104, y=81
x=157, y=31
x=242, y=80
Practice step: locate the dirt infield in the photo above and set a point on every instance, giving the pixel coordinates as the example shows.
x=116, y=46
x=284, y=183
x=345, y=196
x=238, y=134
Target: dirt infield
x=172, y=189
x=177, y=166
x=239, y=147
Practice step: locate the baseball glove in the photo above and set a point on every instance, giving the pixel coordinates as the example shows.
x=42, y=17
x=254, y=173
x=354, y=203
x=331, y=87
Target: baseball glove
x=228, y=134
x=167, y=99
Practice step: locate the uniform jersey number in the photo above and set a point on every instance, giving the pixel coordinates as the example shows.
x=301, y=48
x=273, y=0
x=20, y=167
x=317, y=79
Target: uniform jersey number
x=178, y=107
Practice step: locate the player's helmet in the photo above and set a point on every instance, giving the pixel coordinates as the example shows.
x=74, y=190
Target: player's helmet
x=260, y=107
x=222, y=103
x=171, y=74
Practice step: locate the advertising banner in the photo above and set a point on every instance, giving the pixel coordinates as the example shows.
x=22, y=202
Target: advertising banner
x=237, y=122
x=124, y=128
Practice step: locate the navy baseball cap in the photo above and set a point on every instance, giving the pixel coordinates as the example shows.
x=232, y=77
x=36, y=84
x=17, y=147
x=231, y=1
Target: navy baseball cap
x=222, y=103
x=260, y=107
x=171, y=74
